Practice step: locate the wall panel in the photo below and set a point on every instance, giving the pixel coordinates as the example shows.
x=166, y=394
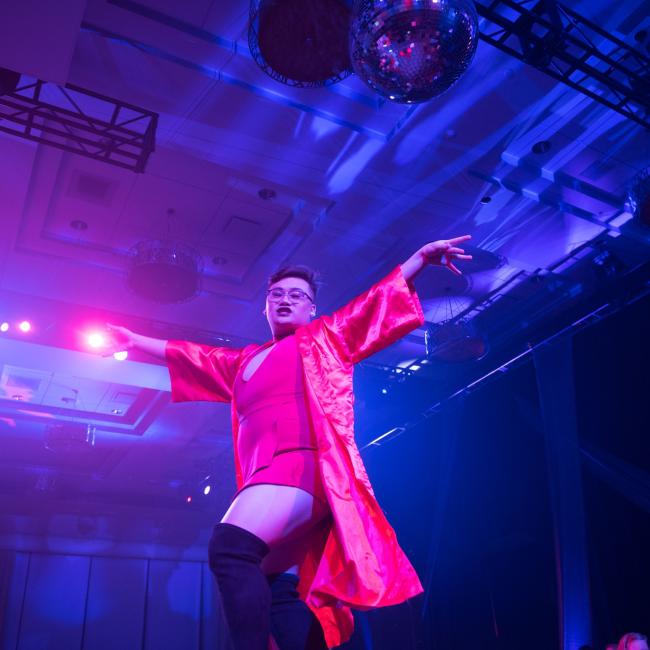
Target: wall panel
x=173, y=608
x=55, y=601
x=115, y=608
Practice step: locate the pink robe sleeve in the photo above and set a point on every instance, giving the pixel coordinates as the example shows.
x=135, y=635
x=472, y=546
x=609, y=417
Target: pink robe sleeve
x=385, y=313
x=201, y=372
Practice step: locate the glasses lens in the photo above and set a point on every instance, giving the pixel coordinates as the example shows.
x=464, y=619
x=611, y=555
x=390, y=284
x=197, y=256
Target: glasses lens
x=295, y=295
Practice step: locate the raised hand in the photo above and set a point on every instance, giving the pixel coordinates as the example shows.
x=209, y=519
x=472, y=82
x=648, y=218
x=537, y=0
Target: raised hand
x=120, y=339
x=445, y=252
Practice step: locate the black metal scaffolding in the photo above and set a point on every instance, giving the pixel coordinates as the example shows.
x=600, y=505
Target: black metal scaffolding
x=60, y=116
x=568, y=47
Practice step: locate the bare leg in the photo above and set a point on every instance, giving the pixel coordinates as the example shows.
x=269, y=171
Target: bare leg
x=278, y=514
x=285, y=518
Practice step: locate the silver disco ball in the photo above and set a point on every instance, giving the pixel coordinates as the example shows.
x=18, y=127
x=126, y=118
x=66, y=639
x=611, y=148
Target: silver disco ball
x=412, y=50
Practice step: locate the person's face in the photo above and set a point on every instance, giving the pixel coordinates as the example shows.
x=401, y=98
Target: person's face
x=637, y=645
x=283, y=314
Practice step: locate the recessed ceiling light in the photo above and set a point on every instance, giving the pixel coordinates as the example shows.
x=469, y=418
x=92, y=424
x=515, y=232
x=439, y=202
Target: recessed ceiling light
x=218, y=260
x=542, y=146
x=78, y=224
x=266, y=193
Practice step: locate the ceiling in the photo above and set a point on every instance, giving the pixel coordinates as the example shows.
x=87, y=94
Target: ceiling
x=359, y=184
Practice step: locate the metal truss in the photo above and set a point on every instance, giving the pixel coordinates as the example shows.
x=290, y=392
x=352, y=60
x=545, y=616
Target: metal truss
x=568, y=47
x=637, y=287
x=124, y=136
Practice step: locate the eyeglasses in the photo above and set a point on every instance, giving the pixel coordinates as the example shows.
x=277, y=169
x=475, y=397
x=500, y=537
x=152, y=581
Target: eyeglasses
x=294, y=295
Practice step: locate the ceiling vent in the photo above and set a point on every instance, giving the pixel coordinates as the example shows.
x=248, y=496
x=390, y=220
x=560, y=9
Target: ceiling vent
x=92, y=188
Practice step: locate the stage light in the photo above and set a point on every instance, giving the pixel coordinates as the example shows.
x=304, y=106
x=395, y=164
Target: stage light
x=120, y=356
x=4, y=327
x=188, y=500
x=206, y=490
x=384, y=391
x=96, y=340
x=25, y=326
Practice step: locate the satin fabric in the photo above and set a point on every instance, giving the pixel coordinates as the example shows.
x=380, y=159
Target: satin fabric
x=271, y=408
x=356, y=560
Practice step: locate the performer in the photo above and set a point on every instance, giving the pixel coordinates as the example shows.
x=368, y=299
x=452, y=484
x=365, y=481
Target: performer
x=304, y=539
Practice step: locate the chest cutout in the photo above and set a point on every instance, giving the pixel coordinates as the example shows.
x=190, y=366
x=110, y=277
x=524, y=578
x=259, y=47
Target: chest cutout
x=255, y=363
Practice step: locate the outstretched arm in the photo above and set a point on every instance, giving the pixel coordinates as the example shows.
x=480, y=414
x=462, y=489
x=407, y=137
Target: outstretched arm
x=390, y=308
x=438, y=253
x=198, y=372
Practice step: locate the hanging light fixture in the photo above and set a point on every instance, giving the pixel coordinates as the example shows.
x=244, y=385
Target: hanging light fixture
x=638, y=197
x=301, y=42
x=454, y=342
x=69, y=437
x=165, y=271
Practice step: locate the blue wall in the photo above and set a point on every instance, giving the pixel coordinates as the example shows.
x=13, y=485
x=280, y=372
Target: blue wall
x=59, y=602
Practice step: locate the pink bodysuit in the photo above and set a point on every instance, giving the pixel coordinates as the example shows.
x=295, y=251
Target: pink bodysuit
x=276, y=443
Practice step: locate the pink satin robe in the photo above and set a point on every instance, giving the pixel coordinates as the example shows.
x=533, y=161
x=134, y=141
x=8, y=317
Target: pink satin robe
x=356, y=561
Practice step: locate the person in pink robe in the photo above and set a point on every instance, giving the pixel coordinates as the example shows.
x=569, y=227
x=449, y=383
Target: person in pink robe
x=349, y=557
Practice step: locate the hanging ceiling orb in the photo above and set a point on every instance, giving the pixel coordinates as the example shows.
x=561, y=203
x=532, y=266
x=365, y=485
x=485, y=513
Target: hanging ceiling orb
x=412, y=50
x=301, y=42
x=164, y=271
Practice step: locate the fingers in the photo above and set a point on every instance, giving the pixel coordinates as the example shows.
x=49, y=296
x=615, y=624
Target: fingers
x=458, y=240
x=453, y=268
x=458, y=253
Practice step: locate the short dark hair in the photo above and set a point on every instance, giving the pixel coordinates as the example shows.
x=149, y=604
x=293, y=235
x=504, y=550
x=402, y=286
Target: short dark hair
x=296, y=271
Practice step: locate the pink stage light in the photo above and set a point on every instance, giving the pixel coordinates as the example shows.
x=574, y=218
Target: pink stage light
x=188, y=500
x=25, y=326
x=120, y=356
x=95, y=340
x=4, y=327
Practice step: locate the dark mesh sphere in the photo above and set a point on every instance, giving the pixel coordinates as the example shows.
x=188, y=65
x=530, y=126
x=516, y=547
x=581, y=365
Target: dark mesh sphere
x=412, y=50
x=301, y=42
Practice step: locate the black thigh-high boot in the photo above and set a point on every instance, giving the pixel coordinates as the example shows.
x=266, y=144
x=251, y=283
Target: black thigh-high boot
x=235, y=555
x=293, y=624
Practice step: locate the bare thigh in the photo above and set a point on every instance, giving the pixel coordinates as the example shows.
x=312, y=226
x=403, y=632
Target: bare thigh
x=284, y=517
